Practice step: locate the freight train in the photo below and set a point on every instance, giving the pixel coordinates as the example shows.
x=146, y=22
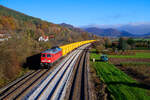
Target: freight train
x=50, y=56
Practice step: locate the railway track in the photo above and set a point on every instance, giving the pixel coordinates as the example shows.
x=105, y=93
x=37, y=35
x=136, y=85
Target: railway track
x=49, y=84
x=78, y=89
x=23, y=85
x=54, y=86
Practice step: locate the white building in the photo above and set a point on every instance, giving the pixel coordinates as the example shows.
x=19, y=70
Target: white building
x=45, y=38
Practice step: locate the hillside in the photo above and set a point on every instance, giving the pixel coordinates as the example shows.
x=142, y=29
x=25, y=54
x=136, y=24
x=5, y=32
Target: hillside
x=24, y=32
x=109, y=32
x=15, y=22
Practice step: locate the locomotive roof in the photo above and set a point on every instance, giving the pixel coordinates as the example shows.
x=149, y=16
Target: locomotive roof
x=52, y=50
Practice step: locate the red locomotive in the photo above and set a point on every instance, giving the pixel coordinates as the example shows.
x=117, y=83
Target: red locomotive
x=50, y=56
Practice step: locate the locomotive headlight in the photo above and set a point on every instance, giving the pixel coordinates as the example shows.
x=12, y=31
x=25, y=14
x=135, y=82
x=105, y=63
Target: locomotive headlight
x=49, y=60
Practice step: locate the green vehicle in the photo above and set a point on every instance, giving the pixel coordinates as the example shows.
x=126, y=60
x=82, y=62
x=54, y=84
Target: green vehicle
x=104, y=58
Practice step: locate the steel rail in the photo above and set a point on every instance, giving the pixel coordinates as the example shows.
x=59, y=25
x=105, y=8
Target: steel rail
x=3, y=90
x=19, y=85
x=53, y=86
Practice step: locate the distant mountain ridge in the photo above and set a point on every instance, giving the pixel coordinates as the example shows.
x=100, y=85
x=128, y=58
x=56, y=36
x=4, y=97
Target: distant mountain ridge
x=76, y=29
x=110, y=32
x=71, y=27
x=134, y=28
x=99, y=32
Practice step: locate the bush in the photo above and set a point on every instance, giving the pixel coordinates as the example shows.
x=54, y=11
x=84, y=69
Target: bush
x=100, y=48
x=44, y=45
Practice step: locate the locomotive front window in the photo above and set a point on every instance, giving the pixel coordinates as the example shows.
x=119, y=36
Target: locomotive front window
x=43, y=55
x=48, y=55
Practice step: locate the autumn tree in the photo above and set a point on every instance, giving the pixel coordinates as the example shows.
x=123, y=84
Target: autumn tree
x=108, y=43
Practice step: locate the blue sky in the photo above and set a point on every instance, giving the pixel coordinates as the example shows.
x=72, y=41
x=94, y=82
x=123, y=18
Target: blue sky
x=84, y=12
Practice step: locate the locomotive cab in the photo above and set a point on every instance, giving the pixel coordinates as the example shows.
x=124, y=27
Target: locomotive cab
x=46, y=59
x=50, y=56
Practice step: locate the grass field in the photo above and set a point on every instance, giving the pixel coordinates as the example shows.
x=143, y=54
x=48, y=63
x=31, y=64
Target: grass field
x=138, y=55
x=120, y=85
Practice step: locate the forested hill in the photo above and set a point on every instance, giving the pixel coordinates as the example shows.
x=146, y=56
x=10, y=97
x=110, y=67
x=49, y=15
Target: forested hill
x=23, y=32
x=15, y=22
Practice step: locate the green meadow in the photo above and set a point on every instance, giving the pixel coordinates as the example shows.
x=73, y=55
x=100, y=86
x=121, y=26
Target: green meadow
x=119, y=84
x=137, y=55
